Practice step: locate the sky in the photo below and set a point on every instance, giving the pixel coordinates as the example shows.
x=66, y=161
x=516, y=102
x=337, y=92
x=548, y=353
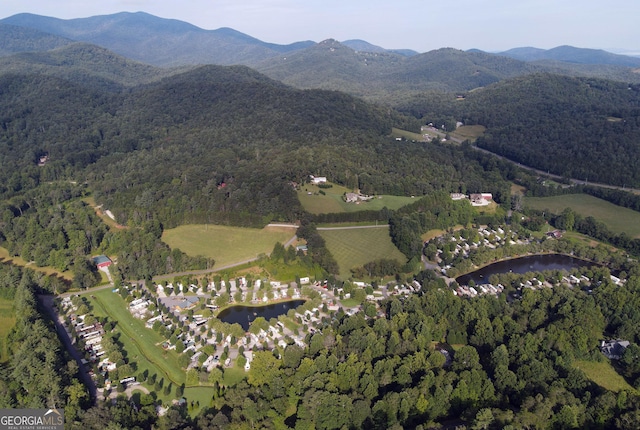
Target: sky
x=421, y=25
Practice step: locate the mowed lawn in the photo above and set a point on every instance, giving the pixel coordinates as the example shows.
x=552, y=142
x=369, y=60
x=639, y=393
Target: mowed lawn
x=354, y=247
x=143, y=346
x=604, y=375
x=7, y=321
x=470, y=132
x=226, y=245
x=331, y=201
x=616, y=218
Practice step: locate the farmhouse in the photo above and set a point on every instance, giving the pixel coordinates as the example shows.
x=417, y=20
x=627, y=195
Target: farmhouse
x=613, y=349
x=315, y=180
x=356, y=197
x=481, y=199
x=555, y=234
x=101, y=261
x=458, y=196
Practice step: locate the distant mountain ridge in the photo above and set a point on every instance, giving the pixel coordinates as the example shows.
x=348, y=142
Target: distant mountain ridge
x=572, y=54
x=158, y=41
x=14, y=39
x=353, y=66
x=170, y=42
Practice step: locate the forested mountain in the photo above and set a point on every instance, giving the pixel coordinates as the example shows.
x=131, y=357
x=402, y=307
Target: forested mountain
x=158, y=41
x=85, y=64
x=354, y=66
x=332, y=65
x=572, y=54
x=577, y=127
x=23, y=39
x=364, y=46
x=216, y=144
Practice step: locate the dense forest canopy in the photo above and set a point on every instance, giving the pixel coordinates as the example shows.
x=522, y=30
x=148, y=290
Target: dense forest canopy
x=575, y=127
x=216, y=144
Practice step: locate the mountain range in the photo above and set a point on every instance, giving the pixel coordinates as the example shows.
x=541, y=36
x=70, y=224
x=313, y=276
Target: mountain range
x=169, y=42
x=428, y=86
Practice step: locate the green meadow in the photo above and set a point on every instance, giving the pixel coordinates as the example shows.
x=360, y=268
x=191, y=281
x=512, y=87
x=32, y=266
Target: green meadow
x=616, y=218
x=354, y=247
x=226, y=245
x=18, y=261
x=604, y=375
x=7, y=321
x=470, y=132
x=314, y=201
x=143, y=346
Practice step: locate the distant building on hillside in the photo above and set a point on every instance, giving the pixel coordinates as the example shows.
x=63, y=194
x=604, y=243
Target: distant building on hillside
x=315, y=180
x=613, y=349
x=481, y=199
x=101, y=261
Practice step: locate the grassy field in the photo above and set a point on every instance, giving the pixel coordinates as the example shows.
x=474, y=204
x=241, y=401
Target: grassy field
x=437, y=232
x=226, y=245
x=355, y=247
x=617, y=218
x=202, y=395
x=604, y=375
x=397, y=132
x=143, y=346
x=470, y=132
x=6, y=258
x=316, y=203
x=7, y=321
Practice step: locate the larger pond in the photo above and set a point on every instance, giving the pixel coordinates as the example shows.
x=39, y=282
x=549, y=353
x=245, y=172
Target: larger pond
x=244, y=315
x=531, y=263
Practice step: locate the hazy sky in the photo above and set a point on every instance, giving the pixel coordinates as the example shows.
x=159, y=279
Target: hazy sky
x=422, y=25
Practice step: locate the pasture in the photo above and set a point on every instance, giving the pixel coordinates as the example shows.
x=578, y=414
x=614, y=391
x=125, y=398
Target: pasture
x=7, y=321
x=616, y=218
x=226, y=245
x=604, y=375
x=332, y=200
x=409, y=135
x=353, y=247
x=468, y=132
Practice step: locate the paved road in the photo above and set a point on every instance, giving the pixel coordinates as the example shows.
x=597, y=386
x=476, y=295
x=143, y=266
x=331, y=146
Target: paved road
x=551, y=175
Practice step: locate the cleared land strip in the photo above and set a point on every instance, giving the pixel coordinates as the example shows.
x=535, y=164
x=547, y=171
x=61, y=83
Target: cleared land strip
x=353, y=227
x=174, y=375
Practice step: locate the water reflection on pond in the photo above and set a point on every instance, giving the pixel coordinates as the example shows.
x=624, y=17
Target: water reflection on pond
x=244, y=315
x=531, y=263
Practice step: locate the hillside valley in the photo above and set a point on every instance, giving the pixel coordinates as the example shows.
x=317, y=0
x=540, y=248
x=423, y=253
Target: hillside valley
x=155, y=176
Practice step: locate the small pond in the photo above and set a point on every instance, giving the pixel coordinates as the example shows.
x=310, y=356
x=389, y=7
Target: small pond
x=244, y=315
x=531, y=263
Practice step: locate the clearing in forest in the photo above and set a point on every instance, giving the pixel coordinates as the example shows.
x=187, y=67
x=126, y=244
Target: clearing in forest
x=7, y=321
x=357, y=246
x=318, y=200
x=616, y=218
x=226, y=245
x=604, y=375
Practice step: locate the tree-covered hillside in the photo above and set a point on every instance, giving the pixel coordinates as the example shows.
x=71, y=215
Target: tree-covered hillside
x=85, y=64
x=215, y=144
x=577, y=127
